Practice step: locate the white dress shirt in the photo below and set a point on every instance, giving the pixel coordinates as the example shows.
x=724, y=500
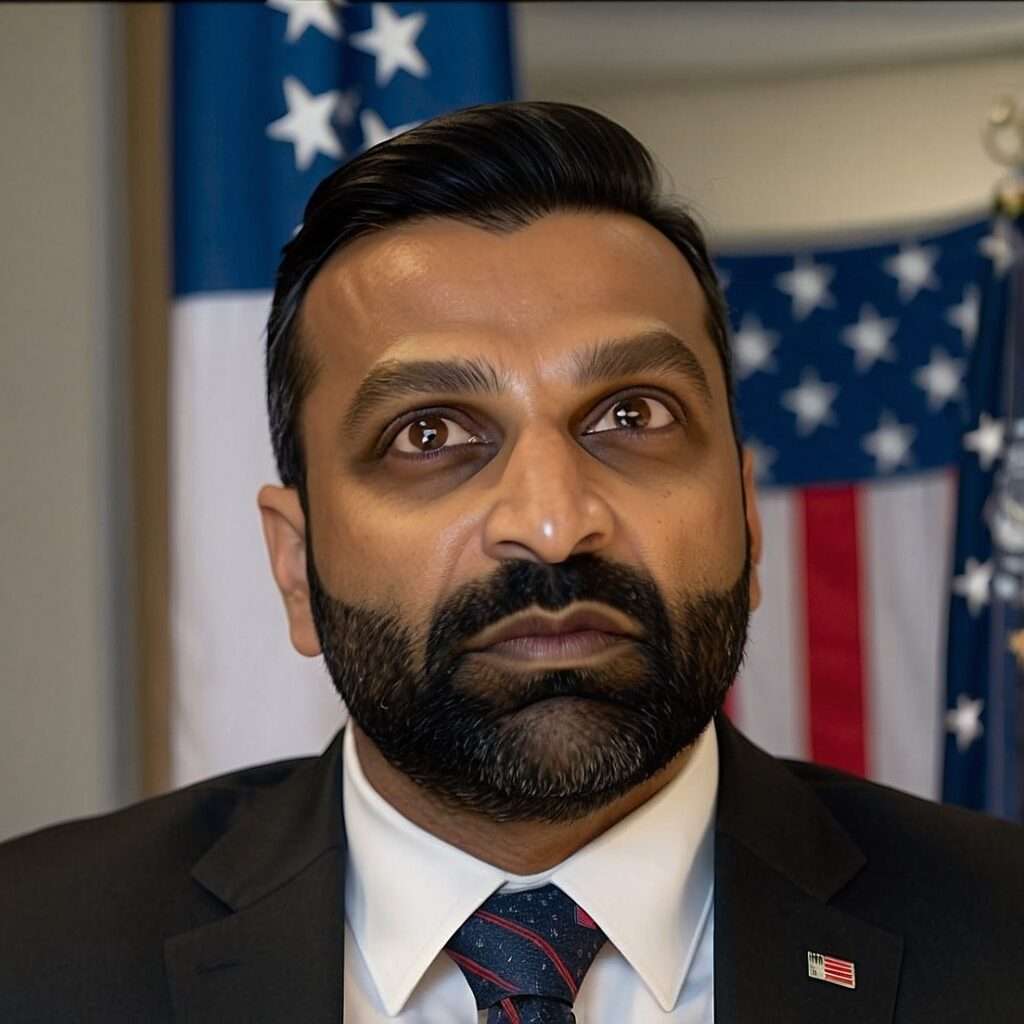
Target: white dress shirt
x=648, y=883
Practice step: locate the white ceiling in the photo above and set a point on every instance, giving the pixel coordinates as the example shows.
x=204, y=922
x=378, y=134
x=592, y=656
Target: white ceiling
x=560, y=42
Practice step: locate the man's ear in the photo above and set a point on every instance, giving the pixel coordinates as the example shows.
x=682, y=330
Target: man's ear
x=284, y=530
x=754, y=526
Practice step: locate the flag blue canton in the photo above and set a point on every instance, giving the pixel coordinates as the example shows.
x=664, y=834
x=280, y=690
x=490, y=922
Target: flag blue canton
x=850, y=362
x=269, y=98
x=985, y=648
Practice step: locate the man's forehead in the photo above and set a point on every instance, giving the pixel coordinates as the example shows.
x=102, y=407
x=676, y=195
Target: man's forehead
x=445, y=277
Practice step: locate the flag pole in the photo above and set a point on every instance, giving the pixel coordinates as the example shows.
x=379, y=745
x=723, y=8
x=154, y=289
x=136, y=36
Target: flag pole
x=147, y=41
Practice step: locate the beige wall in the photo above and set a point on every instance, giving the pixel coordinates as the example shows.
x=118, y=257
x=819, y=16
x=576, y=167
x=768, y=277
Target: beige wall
x=65, y=709
x=757, y=153
x=782, y=156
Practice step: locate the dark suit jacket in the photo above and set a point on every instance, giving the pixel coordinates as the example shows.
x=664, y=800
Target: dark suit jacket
x=224, y=902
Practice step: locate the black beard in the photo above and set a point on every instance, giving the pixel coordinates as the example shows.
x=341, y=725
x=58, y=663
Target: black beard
x=488, y=740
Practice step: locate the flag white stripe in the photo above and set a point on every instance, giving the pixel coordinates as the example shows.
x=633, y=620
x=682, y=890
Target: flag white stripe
x=771, y=693
x=907, y=524
x=240, y=694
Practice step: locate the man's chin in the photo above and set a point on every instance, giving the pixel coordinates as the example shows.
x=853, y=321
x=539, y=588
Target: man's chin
x=569, y=736
x=582, y=719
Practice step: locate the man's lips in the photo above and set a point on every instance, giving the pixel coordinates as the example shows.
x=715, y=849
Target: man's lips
x=574, y=645
x=541, y=627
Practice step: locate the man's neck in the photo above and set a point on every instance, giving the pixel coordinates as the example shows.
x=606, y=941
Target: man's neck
x=521, y=848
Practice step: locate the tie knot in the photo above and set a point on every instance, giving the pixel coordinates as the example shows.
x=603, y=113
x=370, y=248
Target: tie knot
x=538, y=943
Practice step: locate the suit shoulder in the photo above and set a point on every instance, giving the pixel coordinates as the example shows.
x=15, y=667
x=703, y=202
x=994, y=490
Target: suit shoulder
x=88, y=871
x=95, y=898
x=949, y=882
x=919, y=836
x=187, y=819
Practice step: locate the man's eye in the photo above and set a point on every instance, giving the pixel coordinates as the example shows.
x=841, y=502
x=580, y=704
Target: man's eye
x=428, y=436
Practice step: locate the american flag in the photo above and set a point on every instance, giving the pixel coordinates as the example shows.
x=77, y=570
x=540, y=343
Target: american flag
x=830, y=968
x=269, y=99
x=851, y=363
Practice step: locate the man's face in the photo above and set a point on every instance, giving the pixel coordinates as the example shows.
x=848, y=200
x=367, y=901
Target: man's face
x=623, y=492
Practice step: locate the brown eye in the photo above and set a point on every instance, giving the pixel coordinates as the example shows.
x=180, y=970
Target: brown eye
x=633, y=413
x=429, y=434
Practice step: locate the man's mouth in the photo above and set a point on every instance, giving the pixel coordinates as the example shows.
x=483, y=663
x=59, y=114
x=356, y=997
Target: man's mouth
x=559, y=646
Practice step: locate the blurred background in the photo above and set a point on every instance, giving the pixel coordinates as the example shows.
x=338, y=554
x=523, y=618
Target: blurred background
x=143, y=645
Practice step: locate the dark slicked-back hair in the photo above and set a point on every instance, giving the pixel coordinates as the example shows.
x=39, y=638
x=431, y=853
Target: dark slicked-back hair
x=497, y=166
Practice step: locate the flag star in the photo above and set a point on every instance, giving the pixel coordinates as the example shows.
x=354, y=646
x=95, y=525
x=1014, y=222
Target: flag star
x=724, y=278
x=940, y=378
x=807, y=284
x=307, y=124
x=890, y=443
x=999, y=248
x=812, y=402
x=965, y=721
x=304, y=13
x=376, y=131
x=348, y=103
x=914, y=267
x=764, y=458
x=986, y=439
x=1005, y=517
x=870, y=338
x=974, y=585
x=392, y=42
x=965, y=315
x=753, y=347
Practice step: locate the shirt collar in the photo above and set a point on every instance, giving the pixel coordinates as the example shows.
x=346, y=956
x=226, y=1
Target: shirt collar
x=646, y=881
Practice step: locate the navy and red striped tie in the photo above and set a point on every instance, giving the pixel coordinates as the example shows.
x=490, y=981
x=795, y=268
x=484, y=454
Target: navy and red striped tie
x=524, y=955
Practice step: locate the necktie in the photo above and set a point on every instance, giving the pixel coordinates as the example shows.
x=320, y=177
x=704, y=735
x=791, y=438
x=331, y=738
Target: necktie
x=524, y=955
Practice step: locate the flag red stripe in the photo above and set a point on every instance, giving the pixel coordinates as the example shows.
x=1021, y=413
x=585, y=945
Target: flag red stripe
x=834, y=626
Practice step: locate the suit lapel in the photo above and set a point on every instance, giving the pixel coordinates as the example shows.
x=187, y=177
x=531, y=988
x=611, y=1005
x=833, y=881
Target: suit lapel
x=780, y=857
x=280, y=869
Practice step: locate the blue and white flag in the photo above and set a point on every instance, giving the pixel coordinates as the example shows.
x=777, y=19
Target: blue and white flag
x=985, y=660
x=268, y=99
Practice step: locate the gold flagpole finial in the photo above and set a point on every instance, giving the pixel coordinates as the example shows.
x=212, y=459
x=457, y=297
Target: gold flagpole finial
x=1016, y=645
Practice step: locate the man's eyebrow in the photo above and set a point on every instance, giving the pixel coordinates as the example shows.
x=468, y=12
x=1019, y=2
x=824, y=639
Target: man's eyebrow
x=655, y=351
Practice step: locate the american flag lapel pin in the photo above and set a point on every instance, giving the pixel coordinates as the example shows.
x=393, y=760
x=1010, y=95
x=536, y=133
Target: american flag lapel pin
x=831, y=968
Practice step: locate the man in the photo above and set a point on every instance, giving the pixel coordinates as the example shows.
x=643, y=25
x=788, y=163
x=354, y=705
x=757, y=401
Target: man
x=517, y=521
